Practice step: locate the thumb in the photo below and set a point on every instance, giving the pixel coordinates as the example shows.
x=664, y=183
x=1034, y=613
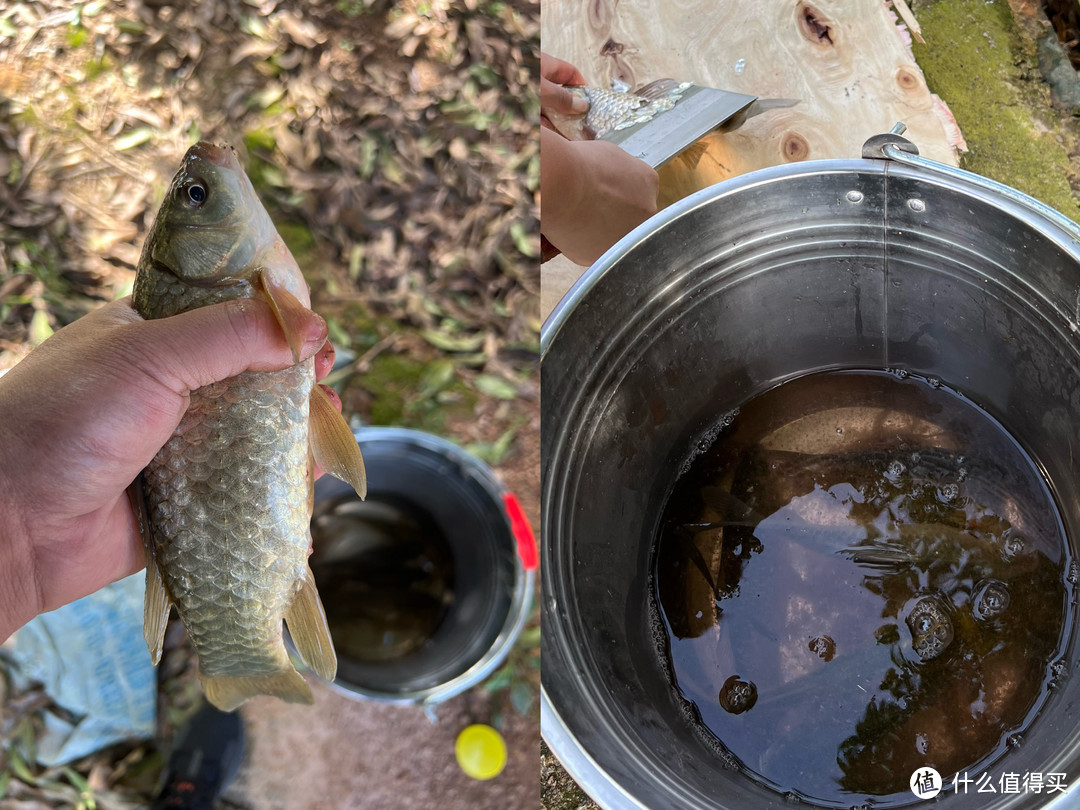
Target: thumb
x=209, y=344
x=558, y=99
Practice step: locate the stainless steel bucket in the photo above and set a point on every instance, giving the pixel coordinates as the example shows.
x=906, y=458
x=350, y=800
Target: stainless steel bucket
x=894, y=262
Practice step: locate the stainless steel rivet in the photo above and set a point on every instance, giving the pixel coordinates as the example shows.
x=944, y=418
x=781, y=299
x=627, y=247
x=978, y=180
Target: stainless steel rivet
x=854, y=196
x=916, y=205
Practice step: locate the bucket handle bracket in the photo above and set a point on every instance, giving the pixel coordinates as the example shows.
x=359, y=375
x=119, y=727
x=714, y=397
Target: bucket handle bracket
x=875, y=147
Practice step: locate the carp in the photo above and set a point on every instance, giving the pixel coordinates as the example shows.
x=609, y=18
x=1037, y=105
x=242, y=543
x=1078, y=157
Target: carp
x=224, y=508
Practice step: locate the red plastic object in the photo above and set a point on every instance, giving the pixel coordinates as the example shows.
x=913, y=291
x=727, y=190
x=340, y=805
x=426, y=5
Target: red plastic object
x=523, y=533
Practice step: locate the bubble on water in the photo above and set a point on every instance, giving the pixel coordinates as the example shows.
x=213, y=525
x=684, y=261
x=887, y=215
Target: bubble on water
x=901, y=373
x=823, y=647
x=1015, y=740
x=1059, y=670
x=1074, y=572
x=947, y=493
x=961, y=475
x=933, y=382
x=922, y=743
x=894, y=471
x=989, y=599
x=737, y=695
x=916, y=458
x=931, y=628
x=791, y=797
x=1012, y=543
x=728, y=418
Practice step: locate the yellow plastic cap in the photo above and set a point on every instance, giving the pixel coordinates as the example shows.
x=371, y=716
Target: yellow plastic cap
x=480, y=751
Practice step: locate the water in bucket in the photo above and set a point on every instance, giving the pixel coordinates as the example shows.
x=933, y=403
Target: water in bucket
x=863, y=575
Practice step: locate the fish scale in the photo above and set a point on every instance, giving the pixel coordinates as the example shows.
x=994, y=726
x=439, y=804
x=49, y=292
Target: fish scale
x=194, y=509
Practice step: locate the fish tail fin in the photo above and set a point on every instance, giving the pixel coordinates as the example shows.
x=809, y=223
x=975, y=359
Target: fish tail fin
x=228, y=693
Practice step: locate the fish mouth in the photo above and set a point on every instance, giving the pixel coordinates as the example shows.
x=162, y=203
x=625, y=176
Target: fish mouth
x=219, y=154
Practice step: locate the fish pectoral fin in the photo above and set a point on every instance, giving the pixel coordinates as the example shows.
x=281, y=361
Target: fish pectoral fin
x=290, y=313
x=228, y=693
x=307, y=625
x=156, y=603
x=333, y=444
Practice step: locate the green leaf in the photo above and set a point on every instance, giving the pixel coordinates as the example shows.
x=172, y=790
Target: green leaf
x=136, y=137
x=18, y=767
x=86, y=794
x=521, y=698
x=136, y=27
x=494, y=386
x=494, y=452
x=529, y=637
x=40, y=329
x=526, y=242
x=452, y=343
x=436, y=377
x=337, y=334
x=5, y=777
x=500, y=680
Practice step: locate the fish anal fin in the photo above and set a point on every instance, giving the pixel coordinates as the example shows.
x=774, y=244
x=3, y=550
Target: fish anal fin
x=333, y=444
x=228, y=693
x=307, y=625
x=156, y=603
x=291, y=313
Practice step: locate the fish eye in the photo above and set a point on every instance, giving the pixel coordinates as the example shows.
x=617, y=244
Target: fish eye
x=195, y=194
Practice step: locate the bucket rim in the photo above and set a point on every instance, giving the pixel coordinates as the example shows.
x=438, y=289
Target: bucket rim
x=901, y=164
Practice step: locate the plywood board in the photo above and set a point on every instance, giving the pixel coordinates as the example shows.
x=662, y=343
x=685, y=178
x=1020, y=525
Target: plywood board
x=847, y=62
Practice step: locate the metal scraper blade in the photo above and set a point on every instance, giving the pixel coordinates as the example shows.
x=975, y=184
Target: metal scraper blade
x=698, y=112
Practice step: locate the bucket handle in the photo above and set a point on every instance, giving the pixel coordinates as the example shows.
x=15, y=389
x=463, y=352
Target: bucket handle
x=891, y=146
x=522, y=531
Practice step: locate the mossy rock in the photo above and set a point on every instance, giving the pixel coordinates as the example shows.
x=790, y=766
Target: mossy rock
x=977, y=60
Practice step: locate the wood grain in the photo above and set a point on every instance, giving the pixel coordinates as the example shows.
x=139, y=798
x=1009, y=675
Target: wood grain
x=845, y=61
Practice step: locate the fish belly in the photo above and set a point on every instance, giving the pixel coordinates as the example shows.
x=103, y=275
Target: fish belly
x=228, y=504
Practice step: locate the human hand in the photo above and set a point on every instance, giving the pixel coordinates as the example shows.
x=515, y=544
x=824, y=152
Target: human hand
x=85, y=412
x=554, y=73
x=592, y=193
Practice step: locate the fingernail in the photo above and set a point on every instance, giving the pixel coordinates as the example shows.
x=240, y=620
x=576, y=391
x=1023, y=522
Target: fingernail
x=332, y=395
x=579, y=105
x=315, y=338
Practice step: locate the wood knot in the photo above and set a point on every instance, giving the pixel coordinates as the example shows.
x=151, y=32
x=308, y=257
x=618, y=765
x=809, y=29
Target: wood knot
x=907, y=79
x=612, y=48
x=814, y=25
x=794, y=147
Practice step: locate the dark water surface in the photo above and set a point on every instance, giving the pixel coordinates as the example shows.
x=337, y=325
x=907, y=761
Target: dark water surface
x=385, y=574
x=864, y=575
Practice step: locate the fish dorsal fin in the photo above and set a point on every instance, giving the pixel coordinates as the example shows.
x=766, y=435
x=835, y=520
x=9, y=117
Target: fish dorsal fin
x=333, y=444
x=290, y=313
x=657, y=89
x=307, y=625
x=156, y=604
